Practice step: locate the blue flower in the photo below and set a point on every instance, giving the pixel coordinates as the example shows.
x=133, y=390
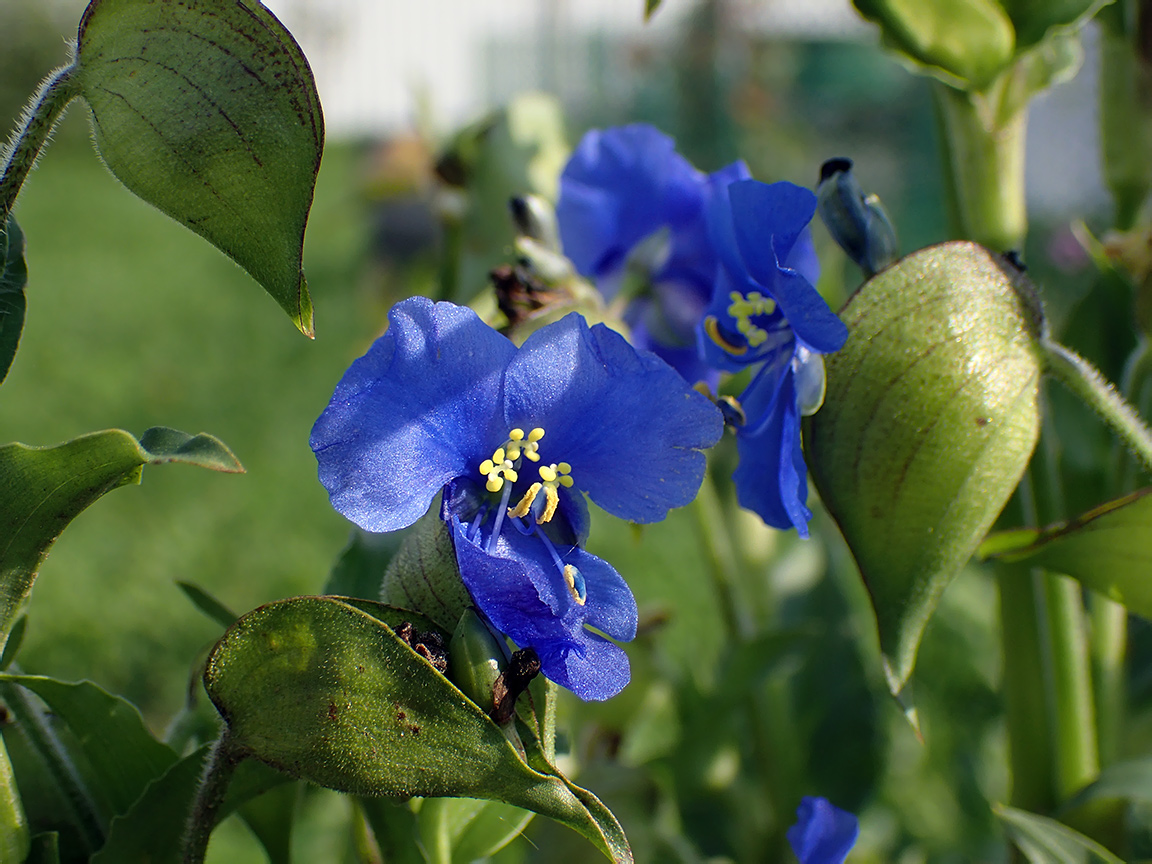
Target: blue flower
x=823, y=833
x=765, y=313
x=442, y=403
x=621, y=187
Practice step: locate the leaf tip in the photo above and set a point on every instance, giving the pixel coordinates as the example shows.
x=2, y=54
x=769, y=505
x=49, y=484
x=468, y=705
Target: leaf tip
x=304, y=319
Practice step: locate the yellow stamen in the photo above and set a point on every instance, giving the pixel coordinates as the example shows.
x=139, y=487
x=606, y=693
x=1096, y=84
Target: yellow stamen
x=712, y=328
x=575, y=584
x=498, y=469
x=743, y=308
x=551, y=502
x=522, y=508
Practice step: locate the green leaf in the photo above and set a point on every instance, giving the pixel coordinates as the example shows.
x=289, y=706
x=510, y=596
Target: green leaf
x=1108, y=549
x=153, y=828
x=395, y=830
x=965, y=43
x=462, y=830
x=208, y=111
x=42, y=489
x=650, y=7
x=270, y=817
x=123, y=756
x=1034, y=18
x=1046, y=841
x=14, y=839
x=1130, y=781
x=930, y=418
x=208, y=604
x=45, y=849
x=328, y=693
x=424, y=576
x=13, y=278
x=359, y=571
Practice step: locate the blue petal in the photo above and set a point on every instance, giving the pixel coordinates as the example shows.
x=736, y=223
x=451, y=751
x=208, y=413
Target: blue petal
x=620, y=186
x=823, y=833
x=519, y=589
x=629, y=425
x=772, y=479
x=767, y=222
x=421, y=407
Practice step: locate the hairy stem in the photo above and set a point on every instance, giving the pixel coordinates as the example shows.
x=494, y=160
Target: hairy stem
x=221, y=765
x=39, y=119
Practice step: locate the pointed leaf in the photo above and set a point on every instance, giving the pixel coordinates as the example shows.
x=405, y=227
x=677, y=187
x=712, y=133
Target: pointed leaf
x=42, y=489
x=930, y=418
x=328, y=693
x=1108, y=549
x=152, y=829
x=208, y=604
x=123, y=755
x=208, y=111
x=13, y=278
x=1046, y=841
x=423, y=574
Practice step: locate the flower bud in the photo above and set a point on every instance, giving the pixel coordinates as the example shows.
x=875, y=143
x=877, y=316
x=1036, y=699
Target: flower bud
x=535, y=218
x=476, y=659
x=856, y=221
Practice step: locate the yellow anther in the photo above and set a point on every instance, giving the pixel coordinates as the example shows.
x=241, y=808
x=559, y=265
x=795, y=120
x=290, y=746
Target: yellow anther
x=522, y=508
x=712, y=328
x=519, y=444
x=743, y=309
x=551, y=502
x=576, y=587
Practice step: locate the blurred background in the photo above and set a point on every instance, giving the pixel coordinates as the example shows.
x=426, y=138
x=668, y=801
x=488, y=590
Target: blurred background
x=436, y=112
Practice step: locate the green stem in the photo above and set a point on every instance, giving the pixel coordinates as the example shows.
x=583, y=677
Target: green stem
x=1025, y=700
x=1075, y=373
x=985, y=148
x=718, y=548
x=1109, y=621
x=222, y=762
x=14, y=835
x=1125, y=121
x=19, y=156
x=1074, y=721
x=33, y=723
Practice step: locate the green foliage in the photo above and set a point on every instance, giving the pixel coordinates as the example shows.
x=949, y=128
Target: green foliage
x=930, y=418
x=965, y=42
x=423, y=573
x=1046, y=841
x=1108, y=549
x=209, y=112
x=1033, y=19
x=152, y=829
x=13, y=278
x=42, y=489
x=327, y=692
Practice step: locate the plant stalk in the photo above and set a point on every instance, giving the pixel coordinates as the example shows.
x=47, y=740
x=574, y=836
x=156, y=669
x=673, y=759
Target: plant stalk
x=984, y=147
x=1079, y=376
x=40, y=117
x=221, y=765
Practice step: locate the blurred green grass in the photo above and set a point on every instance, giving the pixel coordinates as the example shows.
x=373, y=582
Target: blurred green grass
x=133, y=322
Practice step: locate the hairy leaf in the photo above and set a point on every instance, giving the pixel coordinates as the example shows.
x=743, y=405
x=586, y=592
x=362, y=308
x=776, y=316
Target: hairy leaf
x=930, y=419
x=327, y=692
x=208, y=111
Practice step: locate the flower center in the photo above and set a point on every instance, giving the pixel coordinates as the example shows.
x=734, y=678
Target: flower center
x=743, y=309
x=503, y=467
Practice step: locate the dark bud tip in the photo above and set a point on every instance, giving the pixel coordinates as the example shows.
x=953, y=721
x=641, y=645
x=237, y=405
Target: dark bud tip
x=834, y=166
x=523, y=666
